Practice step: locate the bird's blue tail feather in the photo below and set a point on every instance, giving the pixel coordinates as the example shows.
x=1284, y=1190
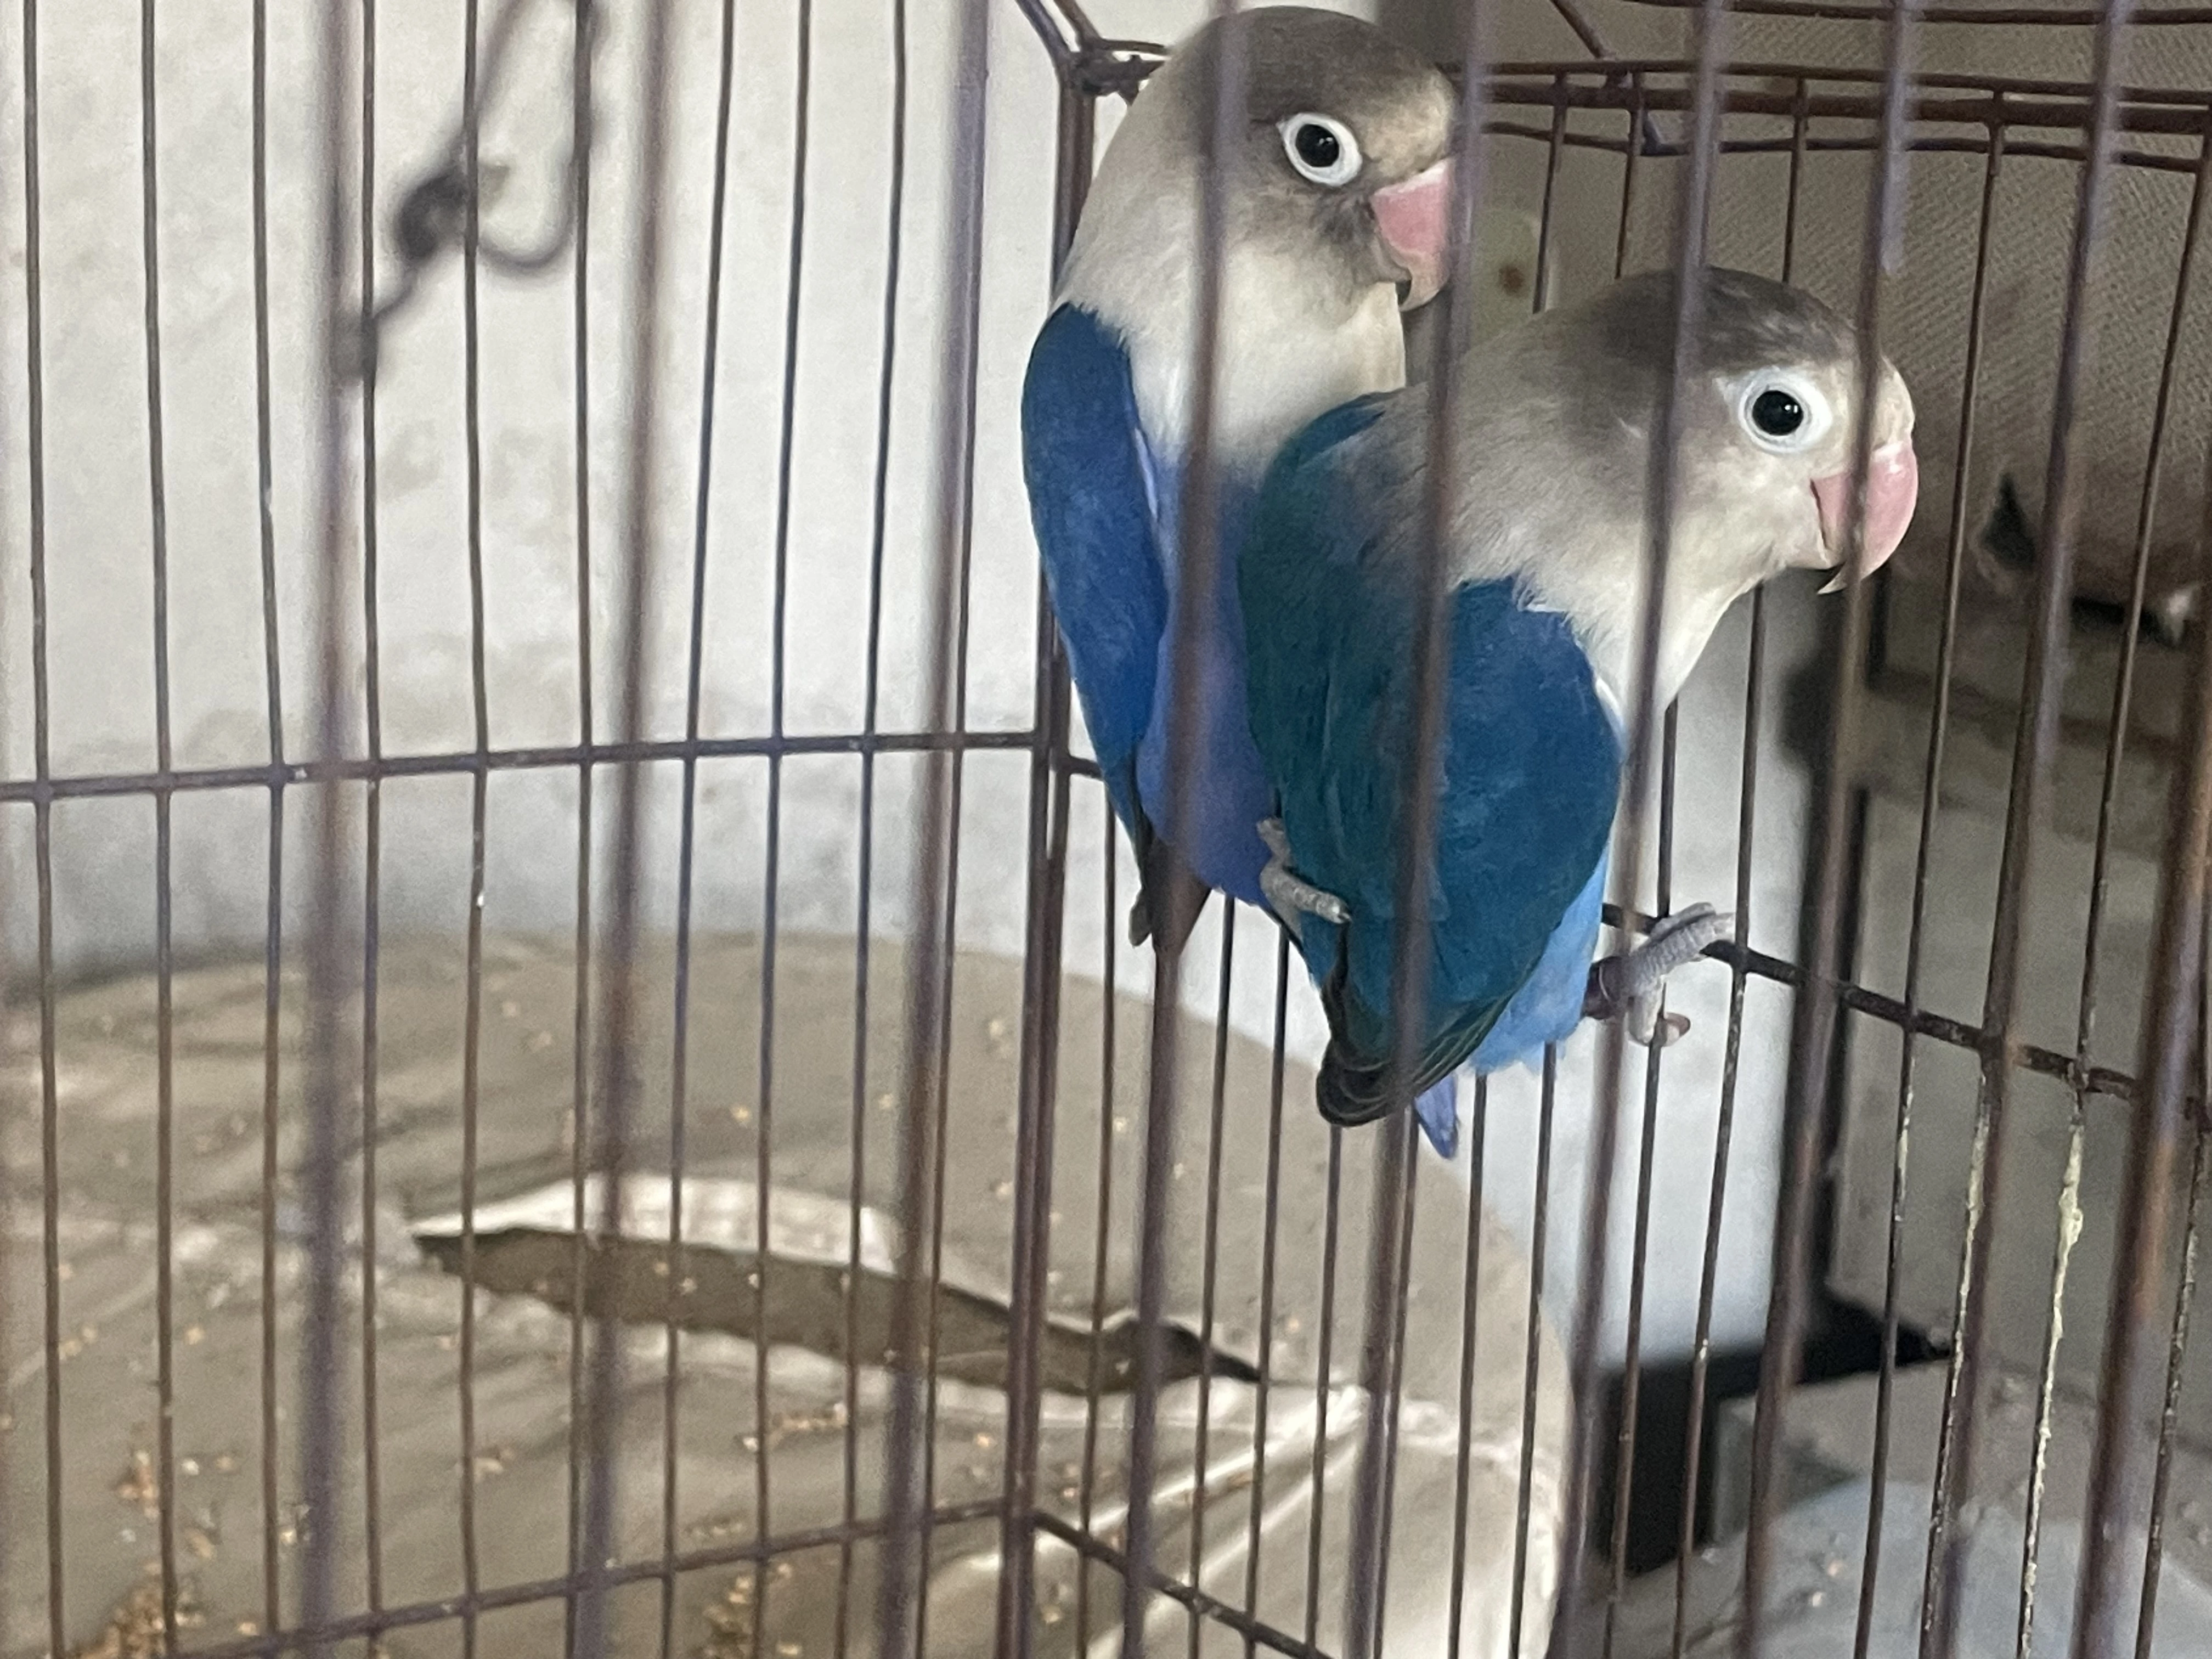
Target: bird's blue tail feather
x=1437, y=1107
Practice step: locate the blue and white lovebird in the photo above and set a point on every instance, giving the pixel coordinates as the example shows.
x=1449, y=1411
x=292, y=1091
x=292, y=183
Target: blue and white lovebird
x=1336, y=206
x=1546, y=567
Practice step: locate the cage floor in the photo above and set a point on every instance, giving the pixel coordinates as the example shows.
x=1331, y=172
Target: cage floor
x=750, y=1399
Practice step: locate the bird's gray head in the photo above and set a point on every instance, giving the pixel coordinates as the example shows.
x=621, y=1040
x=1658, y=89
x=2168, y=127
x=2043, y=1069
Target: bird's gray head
x=1555, y=454
x=1767, y=423
x=1346, y=143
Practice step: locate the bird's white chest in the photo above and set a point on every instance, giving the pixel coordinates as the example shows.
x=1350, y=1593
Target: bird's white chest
x=1282, y=357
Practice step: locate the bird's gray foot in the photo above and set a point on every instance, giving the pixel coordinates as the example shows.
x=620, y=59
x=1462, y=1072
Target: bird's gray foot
x=1630, y=987
x=1291, y=897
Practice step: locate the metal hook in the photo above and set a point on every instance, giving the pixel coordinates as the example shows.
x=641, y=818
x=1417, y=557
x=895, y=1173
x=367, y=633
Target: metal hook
x=432, y=215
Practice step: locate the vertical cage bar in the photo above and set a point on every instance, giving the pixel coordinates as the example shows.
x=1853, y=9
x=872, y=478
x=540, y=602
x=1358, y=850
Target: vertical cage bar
x=1633, y=1354
x=1754, y=707
x=956, y=758
x=936, y=828
x=9, y=1557
x=1332, y=1216
x=8, y=1328
x=1660, y=490
x=1632, y=1366
x=771, y=873
x=1390, y=1219
x=321, y=1354
x=676, y=1276
x=480, y=788
x=1409, y=1128
x=1470, y=1298
x=1930, y=802
x=164, y=1037
x=1525, y=1489
x=1200, y=559
x=871, y=696
x=615, y=1081
x=1814, y=1035
x=1210, y=1254
x=1381, y=1365
x=1554, y=148
x=1271, y=1214
x=2099, y=881
x=2176, y=1352
x=42, y=817
x=2034, y=743
x=1036, y=1109
x=1094, y=1391
x=2121, y=1467
x=371, y=1481
x=579, y=1040
x=271, y=1160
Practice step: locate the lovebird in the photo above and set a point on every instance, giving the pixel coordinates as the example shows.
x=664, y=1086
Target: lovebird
x=1546, y=567
x=1336, y=205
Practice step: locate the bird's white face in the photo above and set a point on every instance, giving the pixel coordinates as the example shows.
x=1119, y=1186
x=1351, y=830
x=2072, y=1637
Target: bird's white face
x=1555, y=453
x=1779, y=469
x=1411, y=214
x=1347, y=156
x=1337, y=196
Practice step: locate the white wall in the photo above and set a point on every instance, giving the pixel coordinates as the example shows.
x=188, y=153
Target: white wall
x=99, y=537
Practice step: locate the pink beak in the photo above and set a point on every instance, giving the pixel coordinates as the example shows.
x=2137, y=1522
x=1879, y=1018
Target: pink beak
x=1414, y=217
x=1892, y=489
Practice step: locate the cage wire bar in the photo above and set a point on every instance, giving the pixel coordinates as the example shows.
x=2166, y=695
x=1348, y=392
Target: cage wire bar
x=1907, y=111
x=2035, y=745
x=1382, y=1340
x=2123, y=697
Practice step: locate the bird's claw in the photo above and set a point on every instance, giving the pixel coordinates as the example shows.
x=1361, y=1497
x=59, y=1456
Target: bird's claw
x=1290, y=897
x=1631, y=986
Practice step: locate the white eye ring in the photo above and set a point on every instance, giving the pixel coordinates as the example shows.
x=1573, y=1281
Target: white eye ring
x=1761, y=396
x=1330, y=155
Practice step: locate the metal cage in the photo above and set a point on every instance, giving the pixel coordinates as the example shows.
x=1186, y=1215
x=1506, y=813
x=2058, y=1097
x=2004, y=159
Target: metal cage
x=653, y=1269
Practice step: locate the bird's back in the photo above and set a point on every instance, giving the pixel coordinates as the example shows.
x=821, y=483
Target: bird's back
x=1529, y=775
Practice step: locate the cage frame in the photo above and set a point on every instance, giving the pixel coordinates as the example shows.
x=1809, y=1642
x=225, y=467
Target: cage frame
x=1088, y=68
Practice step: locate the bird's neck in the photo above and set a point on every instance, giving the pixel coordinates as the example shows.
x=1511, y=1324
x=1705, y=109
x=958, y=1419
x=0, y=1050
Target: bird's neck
x=1562, y=517
x=1602, y=589
x=1290, y=344
x=1610, y=632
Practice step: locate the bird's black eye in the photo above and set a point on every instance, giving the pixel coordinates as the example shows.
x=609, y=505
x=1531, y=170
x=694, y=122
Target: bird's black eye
x=1776, y=413
x=1321, y=148
x=1781, y=409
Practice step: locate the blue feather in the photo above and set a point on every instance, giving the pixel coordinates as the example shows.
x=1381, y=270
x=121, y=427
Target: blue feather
x=1106, y=506
x=1437, y=1109
x=1549, y=1005
x=1529, y=778
x=1091, y=503
x=1221, y=833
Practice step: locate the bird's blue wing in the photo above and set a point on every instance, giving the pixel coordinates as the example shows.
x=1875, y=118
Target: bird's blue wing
x=1530, y=773
x=1549, y=1005
x=1091, y=502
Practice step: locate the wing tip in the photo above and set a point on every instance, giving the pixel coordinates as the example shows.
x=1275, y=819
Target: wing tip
x=1350, y=1091
x=1169, y=899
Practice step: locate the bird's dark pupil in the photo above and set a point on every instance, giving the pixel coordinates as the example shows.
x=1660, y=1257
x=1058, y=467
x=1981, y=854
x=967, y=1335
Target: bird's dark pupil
x=1776, y=413
x=1318, y=146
